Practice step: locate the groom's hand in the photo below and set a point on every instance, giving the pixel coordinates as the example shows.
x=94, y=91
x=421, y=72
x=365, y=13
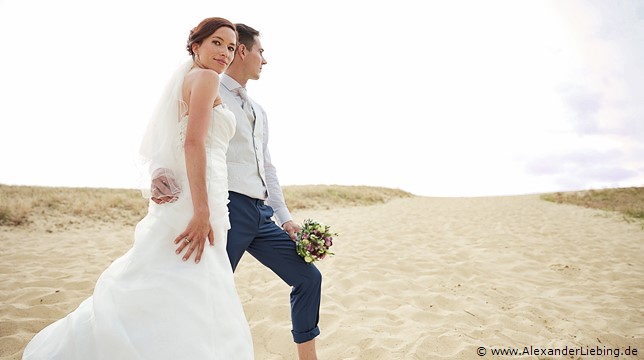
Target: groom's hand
x=292, y=229
x=164, y=187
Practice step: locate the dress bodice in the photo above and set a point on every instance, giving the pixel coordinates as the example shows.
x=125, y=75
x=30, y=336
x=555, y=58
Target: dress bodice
x=221, y=129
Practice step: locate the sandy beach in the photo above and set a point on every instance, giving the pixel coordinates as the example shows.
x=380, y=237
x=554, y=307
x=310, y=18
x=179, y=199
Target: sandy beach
x=414, y=278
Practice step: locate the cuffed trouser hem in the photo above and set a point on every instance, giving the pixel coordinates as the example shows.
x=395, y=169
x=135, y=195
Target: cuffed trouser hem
x=305, y=336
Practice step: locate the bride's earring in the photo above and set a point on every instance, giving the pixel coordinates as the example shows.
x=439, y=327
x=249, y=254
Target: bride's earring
x=198, y=61
x=195, y=51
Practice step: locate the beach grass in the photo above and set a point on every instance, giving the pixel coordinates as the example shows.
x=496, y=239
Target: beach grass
x=22, y=205
x=329, y=196
x=627, y=201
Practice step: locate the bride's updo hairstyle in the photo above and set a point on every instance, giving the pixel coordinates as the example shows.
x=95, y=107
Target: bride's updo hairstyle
x=206, y=28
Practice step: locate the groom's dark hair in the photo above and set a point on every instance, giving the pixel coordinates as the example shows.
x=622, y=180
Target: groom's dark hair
x=246, y=35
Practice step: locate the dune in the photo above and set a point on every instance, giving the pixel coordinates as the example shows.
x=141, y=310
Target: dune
x=412, y=278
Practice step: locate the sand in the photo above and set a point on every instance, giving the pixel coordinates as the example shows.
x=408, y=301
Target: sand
x=417, y=278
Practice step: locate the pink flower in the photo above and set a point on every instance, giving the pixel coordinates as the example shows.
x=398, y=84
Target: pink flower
x=314, y=241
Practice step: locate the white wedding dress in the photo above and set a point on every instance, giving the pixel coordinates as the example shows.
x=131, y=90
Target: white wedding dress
x=149, y=304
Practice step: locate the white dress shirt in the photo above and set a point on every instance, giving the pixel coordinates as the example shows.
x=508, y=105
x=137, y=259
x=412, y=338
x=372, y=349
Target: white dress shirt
x=250, y=169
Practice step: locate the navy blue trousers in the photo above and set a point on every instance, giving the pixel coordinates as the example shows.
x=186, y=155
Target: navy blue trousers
x=253, y=230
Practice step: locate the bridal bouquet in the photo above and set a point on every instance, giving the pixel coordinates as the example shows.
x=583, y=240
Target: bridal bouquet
x=314, y=241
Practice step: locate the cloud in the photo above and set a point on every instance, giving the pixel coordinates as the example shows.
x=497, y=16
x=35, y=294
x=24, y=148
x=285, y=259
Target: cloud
x=589, y=168
x=601, y=146
x=585, y=105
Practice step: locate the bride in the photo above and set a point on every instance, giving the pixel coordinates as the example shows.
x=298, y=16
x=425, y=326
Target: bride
x=154, y=302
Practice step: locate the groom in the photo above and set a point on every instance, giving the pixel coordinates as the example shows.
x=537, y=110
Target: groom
x=256, y=196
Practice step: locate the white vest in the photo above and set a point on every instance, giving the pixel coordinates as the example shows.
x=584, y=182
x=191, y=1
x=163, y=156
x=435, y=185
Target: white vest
x=245, y=156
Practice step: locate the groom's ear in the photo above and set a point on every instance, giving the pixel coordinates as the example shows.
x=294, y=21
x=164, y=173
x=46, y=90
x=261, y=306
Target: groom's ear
x=241, y=50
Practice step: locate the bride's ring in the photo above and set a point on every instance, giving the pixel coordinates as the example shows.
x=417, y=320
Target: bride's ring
x=187, y=241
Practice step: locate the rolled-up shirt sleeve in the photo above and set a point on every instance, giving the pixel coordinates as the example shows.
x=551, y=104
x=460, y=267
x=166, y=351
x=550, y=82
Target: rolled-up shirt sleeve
x=275, y=195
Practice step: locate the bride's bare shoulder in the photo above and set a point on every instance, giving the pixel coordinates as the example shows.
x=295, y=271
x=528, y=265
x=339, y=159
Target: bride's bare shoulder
x=197, y=75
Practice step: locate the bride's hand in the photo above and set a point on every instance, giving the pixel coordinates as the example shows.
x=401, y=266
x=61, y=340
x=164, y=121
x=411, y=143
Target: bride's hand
x=164, y=187
x=194, y=237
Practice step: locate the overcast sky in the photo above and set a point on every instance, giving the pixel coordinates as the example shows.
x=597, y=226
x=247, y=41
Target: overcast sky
x=451, y=98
